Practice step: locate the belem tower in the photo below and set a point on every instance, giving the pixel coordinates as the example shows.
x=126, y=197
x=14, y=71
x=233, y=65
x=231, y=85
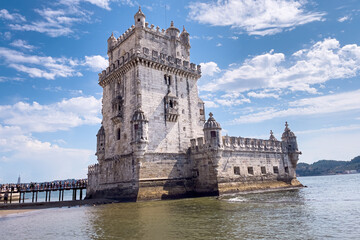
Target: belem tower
x=155, y=142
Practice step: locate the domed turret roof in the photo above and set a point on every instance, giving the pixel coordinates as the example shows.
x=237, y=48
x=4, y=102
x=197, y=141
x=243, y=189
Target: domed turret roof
x=139, y=13
x=211, y=123
x=138, y=116
x=287, y=132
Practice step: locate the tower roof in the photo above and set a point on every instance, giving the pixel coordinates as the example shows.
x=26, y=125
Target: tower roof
x=211, y=123
x=287, y=132
x=139, y=13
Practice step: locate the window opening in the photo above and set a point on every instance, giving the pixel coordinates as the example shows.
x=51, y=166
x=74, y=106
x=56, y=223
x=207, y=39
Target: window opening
x=237, y=170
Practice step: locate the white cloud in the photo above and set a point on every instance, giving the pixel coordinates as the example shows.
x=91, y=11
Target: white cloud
x=234, y=38
x=69, y=113
x=230, y=99
x=5, y=35
x=4, y=14
x=351, y=127
x=342, y=102
x=22, y=44
x=35, y=158
x=323, y=61
x=56, y=22
x=343, y=19
x=209, y=68
x=49, y=67
x=262, y=94
x=100, y=3
x=210, y=104
x=262, y=17
x=219, y=45
x=32, y=157
x=96, y=63
x=39, y=66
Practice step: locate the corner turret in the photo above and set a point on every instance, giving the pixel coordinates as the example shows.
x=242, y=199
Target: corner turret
x=185, y=39
x=139, y=18
x=289, y=139
x=100, y=149
x=139, y=132
x=212, y=134
x=111, y=41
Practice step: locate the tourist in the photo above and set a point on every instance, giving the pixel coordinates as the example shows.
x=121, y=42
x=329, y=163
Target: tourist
x=6, y=195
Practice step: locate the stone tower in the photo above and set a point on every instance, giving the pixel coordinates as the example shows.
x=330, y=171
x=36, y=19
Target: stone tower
x=149, y=75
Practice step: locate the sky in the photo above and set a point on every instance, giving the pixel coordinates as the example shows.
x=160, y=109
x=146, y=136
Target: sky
x=263, y=62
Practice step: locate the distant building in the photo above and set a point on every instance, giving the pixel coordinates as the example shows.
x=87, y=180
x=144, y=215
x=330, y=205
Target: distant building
x=19, y=180
x=154, y=141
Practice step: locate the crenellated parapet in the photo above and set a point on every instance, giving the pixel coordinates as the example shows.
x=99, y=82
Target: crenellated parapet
x=241, y=144
x=156, y=60
x=94, y=168
x=251, y=144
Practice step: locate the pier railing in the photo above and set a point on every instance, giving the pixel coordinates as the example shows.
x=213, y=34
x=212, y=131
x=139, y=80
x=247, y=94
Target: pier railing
x=16, y=194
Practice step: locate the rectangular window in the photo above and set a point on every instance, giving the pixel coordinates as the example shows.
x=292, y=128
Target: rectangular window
x=287, y=169
x=263, y=170
x=276, y=169
x=237, y=170
x=213, y=134
x=201, y=111
x=136, y=126
x=251, y=170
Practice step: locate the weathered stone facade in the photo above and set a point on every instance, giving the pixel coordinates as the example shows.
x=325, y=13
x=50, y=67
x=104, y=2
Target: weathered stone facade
x=154, y=142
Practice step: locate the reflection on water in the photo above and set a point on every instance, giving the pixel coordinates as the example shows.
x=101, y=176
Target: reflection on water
x=328, y=208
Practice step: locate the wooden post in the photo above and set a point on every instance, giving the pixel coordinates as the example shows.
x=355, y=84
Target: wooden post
x=59, y=194
x=62, y=197
x=46, y=195
x=36, y=196
x=10, y=196
x=49, y=195
x=19, y=196
x=75, y=190
x=33, y=194
x=80, y=193
x=24, y=196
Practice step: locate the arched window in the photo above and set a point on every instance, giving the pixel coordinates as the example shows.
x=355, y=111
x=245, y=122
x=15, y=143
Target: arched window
x=118, y=134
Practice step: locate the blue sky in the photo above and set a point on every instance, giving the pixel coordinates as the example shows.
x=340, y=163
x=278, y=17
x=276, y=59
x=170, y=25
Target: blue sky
x=263, y=63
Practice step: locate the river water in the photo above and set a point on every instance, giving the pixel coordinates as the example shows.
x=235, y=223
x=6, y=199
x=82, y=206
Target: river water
x=329, y=208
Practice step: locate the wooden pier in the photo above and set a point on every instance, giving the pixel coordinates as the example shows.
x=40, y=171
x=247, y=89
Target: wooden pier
x=19, y=196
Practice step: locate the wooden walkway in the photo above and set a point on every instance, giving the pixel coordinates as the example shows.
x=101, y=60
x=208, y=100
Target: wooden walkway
x=19, y=196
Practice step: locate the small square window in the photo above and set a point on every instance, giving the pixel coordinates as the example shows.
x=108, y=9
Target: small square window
x=213, y=134
x=136, y=126
x=251, y=170
x=287, y=169
x=237, y=170
x=276, y=169
x=263, y=170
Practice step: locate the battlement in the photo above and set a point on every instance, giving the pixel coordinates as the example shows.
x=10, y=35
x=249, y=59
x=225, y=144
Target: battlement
x=155, y=56
x=241, y=144
x=93, y=168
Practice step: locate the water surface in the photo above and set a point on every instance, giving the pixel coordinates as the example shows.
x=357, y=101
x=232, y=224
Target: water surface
x=329, y=208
